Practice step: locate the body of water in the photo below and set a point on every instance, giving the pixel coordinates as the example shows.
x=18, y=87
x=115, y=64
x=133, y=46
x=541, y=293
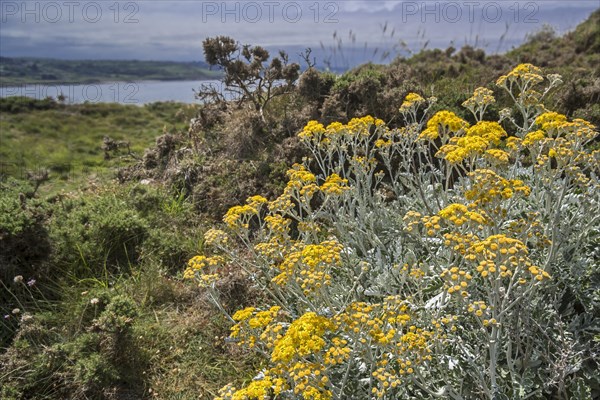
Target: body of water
x=139, y=93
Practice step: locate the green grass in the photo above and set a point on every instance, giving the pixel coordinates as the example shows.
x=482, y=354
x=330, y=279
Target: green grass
x=69, y=138
x=16, y=71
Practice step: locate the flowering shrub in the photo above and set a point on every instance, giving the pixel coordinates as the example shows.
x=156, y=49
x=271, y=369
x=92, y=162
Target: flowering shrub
x=429, y=261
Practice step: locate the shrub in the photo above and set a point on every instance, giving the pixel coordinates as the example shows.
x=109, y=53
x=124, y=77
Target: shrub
x=97, y=234
x=249, y=75
x=24, y=249
x=47, y=361
x=441, y=259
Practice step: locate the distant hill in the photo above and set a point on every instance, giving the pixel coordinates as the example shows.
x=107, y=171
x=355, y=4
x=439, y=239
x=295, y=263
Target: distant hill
x=579, y=48
x=15, y=71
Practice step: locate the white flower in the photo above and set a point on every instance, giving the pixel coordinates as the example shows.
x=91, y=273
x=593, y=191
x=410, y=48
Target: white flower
x=26, y=317
x=18, y=279
x=94, y=301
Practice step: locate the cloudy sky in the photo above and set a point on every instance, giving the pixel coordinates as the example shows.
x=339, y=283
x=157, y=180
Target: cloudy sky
x=174, y=30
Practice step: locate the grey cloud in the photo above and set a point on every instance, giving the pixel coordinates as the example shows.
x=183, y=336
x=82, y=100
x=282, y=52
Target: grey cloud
x=175, y=29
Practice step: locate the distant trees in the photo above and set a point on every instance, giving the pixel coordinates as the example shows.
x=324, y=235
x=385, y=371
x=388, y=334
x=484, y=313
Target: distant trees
x=248, y=73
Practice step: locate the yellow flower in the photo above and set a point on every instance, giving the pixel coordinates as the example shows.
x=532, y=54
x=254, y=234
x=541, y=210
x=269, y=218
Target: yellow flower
x=526, y=73
x=303, y=337
x=411, y=100
x=312, y=129
x=215, y=237
x=481, y=98
x=334, y=185
x=443, y=120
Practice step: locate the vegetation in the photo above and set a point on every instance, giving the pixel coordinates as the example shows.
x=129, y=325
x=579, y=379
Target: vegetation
x=17, y=71
x=69, y=140
x=438, y=290
x=94, y=304
x=247, y=76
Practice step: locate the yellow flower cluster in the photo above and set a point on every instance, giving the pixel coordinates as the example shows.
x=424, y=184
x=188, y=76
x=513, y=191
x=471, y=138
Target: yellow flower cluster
x=412, y=219
x=414, y=272
x=282, y=203
x=459, y=242
x=215, y=237
x=362, y=126
x=301, y=182
x=236, y=214
x=300, y=176
x=303, y=337
x=244, y=314
x=362, y=164
x=513, y=143
x=457, y=280
x=481, y=97
x=381, y=321
x=416, y=340
x=386, y=326
x=477, y=140
x=310, y=381
x=581, y=129
x=239, y=216
x=412, y=100
x=357, y=127
x=551, y=122
x=302, y=186
x=383, y=143
x=278, y=225
x=334, y=185
x=309, y=265
x=253, y=324
x=445, y=122
x=338, y=352
x=272, y=249
x=312, y=129
x=478, y=308
x=490, y=131
x=387, y=378
x=263, y=318
x=532, y=138
x=499, y=255
x=522, y=73
x=460, y=214
x=197, y=264
x=489, y=187
x=411, y=350
x=289, y=352
x=497, y=156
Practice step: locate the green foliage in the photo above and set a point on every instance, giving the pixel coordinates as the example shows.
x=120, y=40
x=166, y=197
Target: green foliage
x=14, y=216
x=67, y=139
x=574, y=51
x=367, y=74
x=105, y=343
x=85, y=363
x=96, y=234
x=23, y=235
x=20, y=104
x=315, y=85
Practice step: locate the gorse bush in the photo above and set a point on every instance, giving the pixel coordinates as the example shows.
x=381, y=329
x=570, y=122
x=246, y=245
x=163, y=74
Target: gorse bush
x=443, y=259
x=88, y=365
x=98, y=233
